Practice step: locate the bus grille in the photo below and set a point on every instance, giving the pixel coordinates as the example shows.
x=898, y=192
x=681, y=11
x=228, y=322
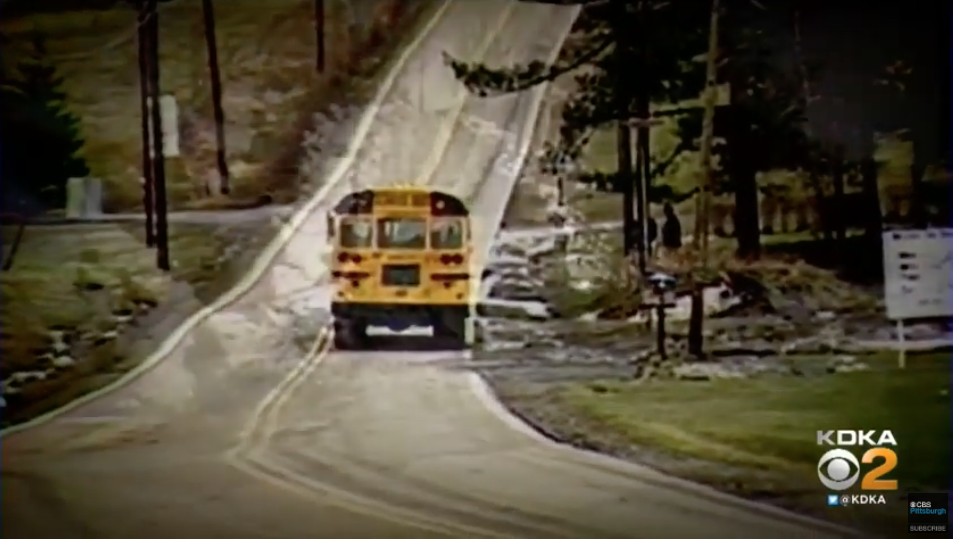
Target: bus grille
x=401, y=275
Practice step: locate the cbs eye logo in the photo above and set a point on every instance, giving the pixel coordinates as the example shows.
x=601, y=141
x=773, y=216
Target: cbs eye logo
x=838, y=469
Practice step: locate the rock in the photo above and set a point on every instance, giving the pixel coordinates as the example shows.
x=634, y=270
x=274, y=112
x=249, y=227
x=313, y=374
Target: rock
x=825, y=316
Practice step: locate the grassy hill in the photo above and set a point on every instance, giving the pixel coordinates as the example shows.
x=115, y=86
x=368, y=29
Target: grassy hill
x=270, y=90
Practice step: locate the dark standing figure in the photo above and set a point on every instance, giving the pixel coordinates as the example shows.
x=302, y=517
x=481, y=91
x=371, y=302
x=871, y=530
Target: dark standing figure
x=671, y=230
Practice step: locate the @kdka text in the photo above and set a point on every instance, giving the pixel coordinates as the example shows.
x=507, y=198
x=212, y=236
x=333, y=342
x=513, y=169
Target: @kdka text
x=838, y=500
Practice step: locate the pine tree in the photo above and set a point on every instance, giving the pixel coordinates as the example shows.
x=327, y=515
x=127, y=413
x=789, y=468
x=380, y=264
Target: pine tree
x=763, y=125
x=625, y=58
x=40, y=136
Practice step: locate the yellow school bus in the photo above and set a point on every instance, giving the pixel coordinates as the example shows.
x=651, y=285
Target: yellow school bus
x=400, y=260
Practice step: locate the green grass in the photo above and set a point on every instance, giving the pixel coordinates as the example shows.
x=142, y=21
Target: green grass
x=757, y=436
x=266, y=54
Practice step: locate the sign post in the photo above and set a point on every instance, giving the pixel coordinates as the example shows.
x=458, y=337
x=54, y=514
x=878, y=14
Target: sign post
x=918, y=282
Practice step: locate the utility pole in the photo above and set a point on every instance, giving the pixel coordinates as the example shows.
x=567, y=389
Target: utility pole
x=644, y=134
x=703, y=203
x=319, y=35
x=211, y=45
x=623, y=99
x=642, y=149
x=642, y=181
x=148, y=186
x=158, y=161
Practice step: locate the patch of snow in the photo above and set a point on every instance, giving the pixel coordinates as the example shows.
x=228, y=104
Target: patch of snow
x=589, y=317
x=63, y=362
x=583, y=285
x=714, y=298
x=415, y=331
x=534, y=309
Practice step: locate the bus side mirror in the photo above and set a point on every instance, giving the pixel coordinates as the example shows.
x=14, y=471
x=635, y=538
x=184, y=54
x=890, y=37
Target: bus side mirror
x=330, y=226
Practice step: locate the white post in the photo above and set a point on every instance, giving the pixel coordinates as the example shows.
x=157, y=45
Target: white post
x=75, y=198
x=169, y=114
x=93, y=197
x=902, y=344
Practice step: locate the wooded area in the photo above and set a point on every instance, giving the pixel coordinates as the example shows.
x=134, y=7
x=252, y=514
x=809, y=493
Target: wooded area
x=635, y=63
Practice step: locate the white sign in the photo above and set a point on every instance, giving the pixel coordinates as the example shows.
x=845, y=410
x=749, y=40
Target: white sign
x=918, y=282
x=169, y=114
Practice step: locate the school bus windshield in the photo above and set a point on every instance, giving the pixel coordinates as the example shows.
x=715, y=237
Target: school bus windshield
x=446, y=234
x=401, y=233
x=356, y=233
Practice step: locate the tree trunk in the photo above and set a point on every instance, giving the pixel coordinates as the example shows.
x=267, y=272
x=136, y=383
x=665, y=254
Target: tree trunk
x=822, y=205
x=148, y=182
x=319, y=23
x=646, y=206
x=624, y=154
x=744, y=177
x=696, y=336
x=837, y=180
x=641, y=236
x=703, y=202
x=746, y=212
x=918, y=214
x=211, y=46
x=158, y=162
x=873, y=220
x=623, y=100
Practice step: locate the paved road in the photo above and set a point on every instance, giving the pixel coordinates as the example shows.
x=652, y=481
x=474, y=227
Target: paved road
x=247, y=430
